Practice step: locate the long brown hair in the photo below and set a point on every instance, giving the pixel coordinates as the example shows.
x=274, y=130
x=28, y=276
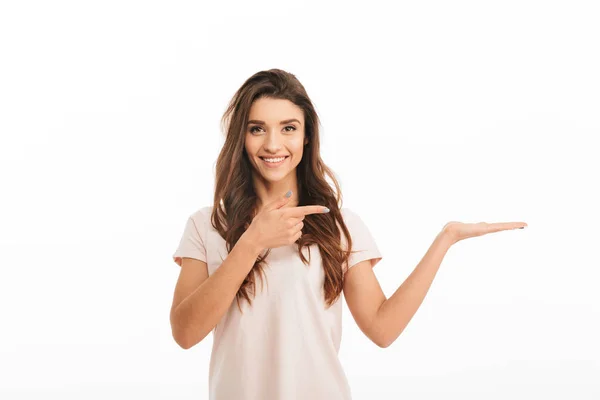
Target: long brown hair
x=235, y=199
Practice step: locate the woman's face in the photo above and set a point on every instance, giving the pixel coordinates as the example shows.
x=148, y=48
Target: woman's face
x=275, y=129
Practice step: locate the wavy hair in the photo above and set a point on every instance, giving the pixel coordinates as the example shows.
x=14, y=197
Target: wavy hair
x=235, y=199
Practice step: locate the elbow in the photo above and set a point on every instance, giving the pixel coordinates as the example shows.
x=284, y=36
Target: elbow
x=383, y=338
x=379, y=335
x=184, y=339
x=183, y=343
x=179, y=333
x=181, y=339
x=184, y=336
x=383, y=343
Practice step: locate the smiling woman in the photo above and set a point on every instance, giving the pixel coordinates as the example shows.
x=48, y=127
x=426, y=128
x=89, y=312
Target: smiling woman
x=279, y=340
x=282, y=341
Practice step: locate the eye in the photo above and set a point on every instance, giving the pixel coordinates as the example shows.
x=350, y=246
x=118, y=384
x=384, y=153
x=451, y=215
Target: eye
x=252, y=129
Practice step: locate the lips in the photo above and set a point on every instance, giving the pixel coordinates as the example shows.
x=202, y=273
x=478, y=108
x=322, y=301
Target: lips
x=270, y=164
x=273, y=157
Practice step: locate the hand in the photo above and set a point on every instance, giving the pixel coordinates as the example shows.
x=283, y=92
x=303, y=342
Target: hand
x=458, y=231
x=275, y=226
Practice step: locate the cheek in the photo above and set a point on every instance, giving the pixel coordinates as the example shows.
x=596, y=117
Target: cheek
x=251, y=145
x=296, y=145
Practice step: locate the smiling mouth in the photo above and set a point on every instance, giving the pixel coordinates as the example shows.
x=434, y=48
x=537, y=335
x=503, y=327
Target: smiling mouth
x=274, y=164
x=272, y=158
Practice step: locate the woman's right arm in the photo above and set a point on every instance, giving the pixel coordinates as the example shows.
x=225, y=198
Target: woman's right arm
x=194, y=317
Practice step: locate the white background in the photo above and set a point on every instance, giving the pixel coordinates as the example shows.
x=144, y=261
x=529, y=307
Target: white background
x=431, y=112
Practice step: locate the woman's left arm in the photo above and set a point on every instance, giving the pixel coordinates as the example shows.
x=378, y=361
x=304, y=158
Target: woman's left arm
x=381, y=319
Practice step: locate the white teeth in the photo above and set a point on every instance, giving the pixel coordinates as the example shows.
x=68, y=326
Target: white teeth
x=274, y=160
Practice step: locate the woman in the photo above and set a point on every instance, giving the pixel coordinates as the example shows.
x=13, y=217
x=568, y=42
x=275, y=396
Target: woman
x=280, y=339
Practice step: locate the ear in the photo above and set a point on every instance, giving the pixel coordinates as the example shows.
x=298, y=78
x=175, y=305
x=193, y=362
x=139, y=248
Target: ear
x=305, y=141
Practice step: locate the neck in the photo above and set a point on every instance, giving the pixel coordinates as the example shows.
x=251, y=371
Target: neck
x=267, y=192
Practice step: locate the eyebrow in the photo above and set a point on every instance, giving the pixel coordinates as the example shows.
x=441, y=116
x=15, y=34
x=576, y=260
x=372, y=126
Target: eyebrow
x=287, y=121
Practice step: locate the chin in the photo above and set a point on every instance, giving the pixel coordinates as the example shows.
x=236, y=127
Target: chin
x=276, y=176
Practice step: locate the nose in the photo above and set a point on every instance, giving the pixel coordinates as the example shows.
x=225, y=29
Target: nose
x=273, y=141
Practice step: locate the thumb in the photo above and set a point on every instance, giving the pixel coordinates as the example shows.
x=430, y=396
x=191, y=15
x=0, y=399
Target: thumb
x=282, y=201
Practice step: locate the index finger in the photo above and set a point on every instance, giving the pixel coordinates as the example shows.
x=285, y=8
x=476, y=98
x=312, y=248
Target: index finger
x=299, y=211
x=504, y=226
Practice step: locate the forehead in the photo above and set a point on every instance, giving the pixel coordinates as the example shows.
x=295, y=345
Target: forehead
x=275, y=110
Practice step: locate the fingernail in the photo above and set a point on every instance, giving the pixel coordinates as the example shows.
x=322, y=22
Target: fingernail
x=325, y=210
x=288, y=194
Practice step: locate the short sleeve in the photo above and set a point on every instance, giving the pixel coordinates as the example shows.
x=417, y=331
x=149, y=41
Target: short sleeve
x=364, y=246
x=192, y=242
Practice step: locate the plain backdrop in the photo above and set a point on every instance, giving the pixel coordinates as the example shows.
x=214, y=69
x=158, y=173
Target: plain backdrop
x=431, y=111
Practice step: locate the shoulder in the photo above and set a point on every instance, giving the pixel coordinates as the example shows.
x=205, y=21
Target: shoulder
x=353, y=220
x=345, y=211
x=348, y=214
x=201, y=215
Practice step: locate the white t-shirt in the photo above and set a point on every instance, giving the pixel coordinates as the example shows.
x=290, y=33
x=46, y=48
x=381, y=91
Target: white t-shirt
x=285, y=345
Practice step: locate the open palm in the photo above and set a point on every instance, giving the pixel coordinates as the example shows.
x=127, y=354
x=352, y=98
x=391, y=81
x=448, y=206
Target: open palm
x=459, y=230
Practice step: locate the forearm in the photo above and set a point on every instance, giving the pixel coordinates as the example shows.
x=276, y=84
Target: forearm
x=197, y=315
x=396, y=312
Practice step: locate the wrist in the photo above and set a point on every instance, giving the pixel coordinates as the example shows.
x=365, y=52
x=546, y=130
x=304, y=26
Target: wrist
x=446, y=237
x=248, y=239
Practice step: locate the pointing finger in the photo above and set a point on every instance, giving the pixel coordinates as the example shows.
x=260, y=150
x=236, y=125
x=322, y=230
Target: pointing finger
x=305, y=210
